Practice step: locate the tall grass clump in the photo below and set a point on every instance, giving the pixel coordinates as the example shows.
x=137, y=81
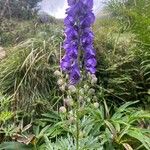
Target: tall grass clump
x=27, y=72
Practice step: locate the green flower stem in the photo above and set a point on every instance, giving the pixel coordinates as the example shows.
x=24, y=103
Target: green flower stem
x=77, y=126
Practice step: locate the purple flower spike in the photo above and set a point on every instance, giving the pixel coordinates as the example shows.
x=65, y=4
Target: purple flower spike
x=79, y=36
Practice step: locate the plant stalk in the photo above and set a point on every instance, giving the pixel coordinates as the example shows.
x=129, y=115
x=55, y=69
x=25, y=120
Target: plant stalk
x=77, y=125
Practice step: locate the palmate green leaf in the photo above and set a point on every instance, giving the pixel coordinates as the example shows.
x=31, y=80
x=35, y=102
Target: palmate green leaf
x=137, y=134
x=53, y=131
x=69, y=143
x=14, y=146
x=50, y=117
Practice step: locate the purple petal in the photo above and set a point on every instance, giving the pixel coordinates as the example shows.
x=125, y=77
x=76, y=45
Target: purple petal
x=89, y=52
x=87, y=37
x=69, y=21
x=88, y=20
x=92, y=70
x=71, y=2
x=72, y=52
x=65, y=63
x=71, y=33
x=91, y=62
x=88, y=3
x=75, y=74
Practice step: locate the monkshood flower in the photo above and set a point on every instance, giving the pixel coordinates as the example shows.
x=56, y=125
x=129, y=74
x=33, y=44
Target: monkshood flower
x=79, y=39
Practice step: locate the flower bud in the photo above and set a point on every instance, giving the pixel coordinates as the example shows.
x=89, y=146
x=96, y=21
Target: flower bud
x=86, y=87
x=72, y=88
x=91, y=91
x=89, y=75
x=95, y=98
x=60, y=82
x=88, y=100
x=68, y=101
x=72, y=119
x=93, y=75
x=62, y=88
x=62, y=109
x=71, y=112
x=94, y=80
x=81, y=91
x=96, y=104
x=81, y=98
x=57, y=73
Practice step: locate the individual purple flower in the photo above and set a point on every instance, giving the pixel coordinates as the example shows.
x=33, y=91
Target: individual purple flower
x=65, y=63
x=72, y=2
x=69, y=21
x=87, y=37
x=87, y=20
x=74, y=74
x=79, y=37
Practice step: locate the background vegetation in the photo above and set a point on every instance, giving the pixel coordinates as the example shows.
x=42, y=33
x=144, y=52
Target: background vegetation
x=30, y=95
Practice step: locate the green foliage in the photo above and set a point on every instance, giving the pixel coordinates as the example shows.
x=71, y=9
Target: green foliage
x=102, y=128
x=68, y=144
x=27, y=78
x=27, y=72
x=5, y=113
x=122, y=43
x=14, y=146
x=118, y=128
